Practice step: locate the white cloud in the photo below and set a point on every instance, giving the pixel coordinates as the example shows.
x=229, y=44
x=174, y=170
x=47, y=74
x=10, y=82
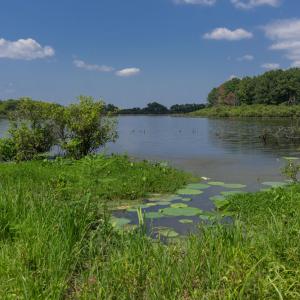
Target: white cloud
x=223, y=33
x=128, y=72
x=26, y=49
x=270, y=66
x=81, y=64
x=285, y=35
x=247, y=57
x=199, y=2
x=248, y=4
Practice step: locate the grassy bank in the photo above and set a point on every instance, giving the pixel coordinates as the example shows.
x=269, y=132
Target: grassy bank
x=249, y=111
x=48, y=211
x=56, y=241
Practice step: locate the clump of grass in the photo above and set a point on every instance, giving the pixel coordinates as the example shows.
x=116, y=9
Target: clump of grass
x=49, y=210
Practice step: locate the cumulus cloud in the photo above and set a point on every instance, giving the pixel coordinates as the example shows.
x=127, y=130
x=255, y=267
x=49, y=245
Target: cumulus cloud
x=91, y=67
x=248, y=4
x=285, y=35
x=26, y=49
x=270, y=66
x=199, y=2
x=128, y=72
x=223, y=33
x=247, y=57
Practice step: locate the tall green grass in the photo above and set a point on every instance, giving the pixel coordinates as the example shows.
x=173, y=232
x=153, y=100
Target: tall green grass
x=56, y=241
x=256, y=257
x=255, y=110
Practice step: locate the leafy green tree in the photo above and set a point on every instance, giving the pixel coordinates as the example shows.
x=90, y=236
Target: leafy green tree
x=35, y=127
x=86, y=127
x=155, y=108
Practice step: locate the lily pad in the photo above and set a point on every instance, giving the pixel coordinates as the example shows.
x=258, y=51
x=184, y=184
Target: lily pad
x=185, y=211
x=274, y=183
x=119, y=222
x=150, y=204
x=186, y=221
x=234, y=185
x=217, y=197
x=168, y=232
x=216, y=183
x=163, y=203
x=208, y=215
x=154, y=215
x=178, y=205
x=186, y=199
x=197, y=186
x=189, y=192
x=221, y=204
x=230, y=193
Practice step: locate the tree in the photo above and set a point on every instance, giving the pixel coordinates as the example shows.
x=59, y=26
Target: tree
x=35, y=127
x=155, y=108
x=86, y=127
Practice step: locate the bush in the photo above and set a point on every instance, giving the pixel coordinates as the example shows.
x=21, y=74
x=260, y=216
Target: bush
x=78, y=129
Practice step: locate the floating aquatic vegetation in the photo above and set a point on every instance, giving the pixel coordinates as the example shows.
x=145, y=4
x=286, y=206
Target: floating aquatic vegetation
x=178, y=205
x=123, y=207
x=163, y=203
x=185, y=221
x=217, y=197
x=208, y=216
x=186, y=199
x=184, y=211
x=205, y=178
x=234, y=185
x=154, y=215
x=227, y=185
x=168, y=232
x=230, y=193
x=189, y=192
x=221, y=203
x=216, y=183
x=197, y=186
x=166, y=198
x=274, y=183
x=151, y=204
x=119, y=222
x=290, y=158
x=136, y=207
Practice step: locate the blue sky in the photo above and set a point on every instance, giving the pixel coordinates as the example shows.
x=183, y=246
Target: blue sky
x=131, y=52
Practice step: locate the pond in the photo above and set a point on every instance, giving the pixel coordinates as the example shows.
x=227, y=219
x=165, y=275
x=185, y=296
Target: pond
x=223, y=150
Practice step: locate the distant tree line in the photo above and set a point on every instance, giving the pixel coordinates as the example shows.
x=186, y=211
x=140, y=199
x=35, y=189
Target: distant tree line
x=155, y=108
x=273, y=87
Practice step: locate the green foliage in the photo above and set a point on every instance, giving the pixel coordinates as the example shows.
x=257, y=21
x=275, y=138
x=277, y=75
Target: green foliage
x=156, y=108
x=254, y=110
x=7, y=149
x=86, y=127
x=78, y=129
x=272, y=88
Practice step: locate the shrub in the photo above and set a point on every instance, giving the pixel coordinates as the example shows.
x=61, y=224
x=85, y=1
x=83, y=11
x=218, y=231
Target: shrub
x=78, y=129
x=7, y=149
